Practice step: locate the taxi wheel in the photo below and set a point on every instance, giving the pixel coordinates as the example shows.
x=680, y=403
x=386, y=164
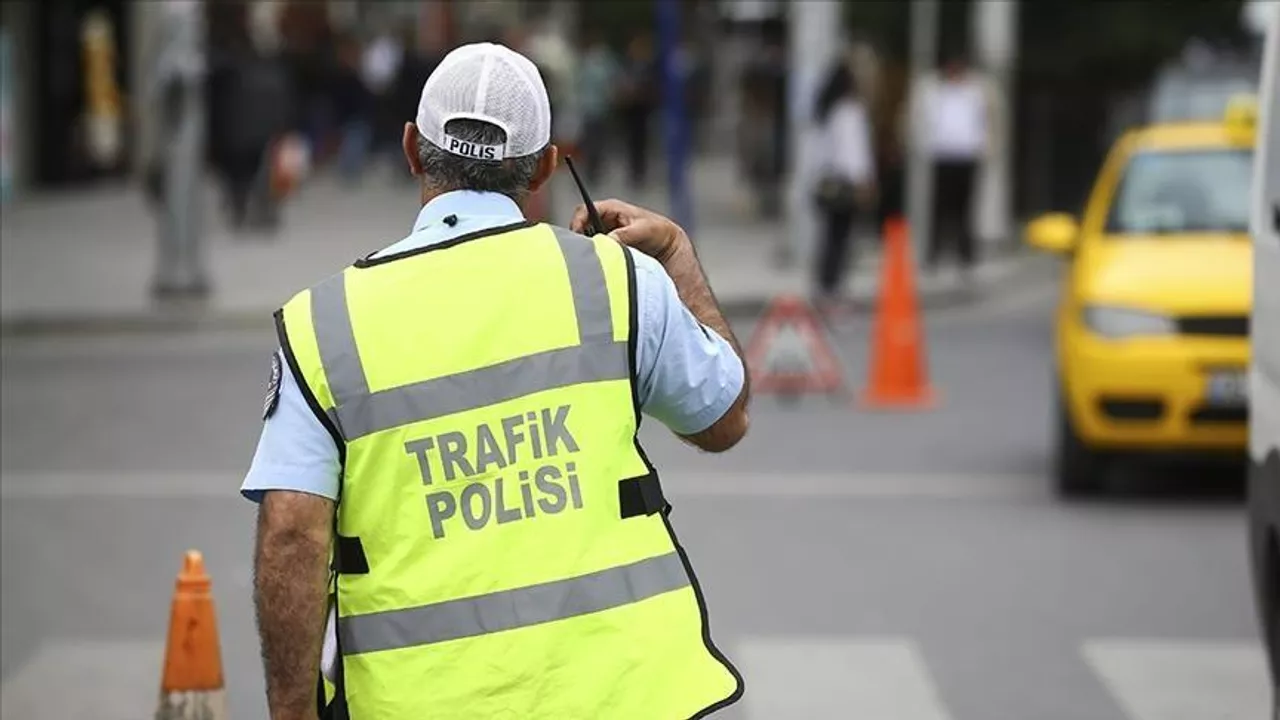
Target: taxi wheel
x=1078, y=469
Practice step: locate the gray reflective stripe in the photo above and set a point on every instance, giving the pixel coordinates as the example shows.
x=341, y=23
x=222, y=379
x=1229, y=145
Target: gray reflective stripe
x=360, y=412
x=373, y=412
x=512, y=609
x=336, y=342
x=590, y=294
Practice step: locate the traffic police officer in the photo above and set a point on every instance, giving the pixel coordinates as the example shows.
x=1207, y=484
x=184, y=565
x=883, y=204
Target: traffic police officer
x=451, y=429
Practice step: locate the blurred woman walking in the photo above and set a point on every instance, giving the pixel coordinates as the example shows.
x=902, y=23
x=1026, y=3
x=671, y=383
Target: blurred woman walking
x=846, y=187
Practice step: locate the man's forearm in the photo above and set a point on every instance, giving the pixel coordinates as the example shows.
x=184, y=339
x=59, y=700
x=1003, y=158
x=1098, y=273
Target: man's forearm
x=695, y=292
x=290, y=594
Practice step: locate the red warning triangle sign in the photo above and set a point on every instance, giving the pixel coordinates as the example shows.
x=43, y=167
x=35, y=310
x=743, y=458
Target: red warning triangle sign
x=789, y=351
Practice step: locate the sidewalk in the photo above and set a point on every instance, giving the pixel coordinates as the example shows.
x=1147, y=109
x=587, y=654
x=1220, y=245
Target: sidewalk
x=85, y=260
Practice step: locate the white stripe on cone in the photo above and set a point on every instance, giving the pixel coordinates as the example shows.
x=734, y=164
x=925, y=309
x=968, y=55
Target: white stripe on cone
x=193, y=705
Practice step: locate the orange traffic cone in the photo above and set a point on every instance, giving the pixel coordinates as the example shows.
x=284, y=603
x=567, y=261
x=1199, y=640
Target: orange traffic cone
x=192, y=685
x=898, y=378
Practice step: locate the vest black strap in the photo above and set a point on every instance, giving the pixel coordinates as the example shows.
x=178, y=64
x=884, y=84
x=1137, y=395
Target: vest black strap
x=348, y=556
x=641, y=496
x=325, y=710
x=348, y=559
x=337, y=708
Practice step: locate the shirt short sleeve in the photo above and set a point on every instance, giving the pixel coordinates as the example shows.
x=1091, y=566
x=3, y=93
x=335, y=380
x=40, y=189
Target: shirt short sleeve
x=295, y=452
x=687, y=375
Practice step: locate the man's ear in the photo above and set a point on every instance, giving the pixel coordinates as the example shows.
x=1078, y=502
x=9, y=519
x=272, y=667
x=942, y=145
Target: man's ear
x=410, y=145
x=546, y=166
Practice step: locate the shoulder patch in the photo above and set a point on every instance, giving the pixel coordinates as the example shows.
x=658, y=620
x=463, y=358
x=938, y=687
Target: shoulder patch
x=273, y=388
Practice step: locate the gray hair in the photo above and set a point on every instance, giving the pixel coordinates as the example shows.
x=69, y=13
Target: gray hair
x=443, y=171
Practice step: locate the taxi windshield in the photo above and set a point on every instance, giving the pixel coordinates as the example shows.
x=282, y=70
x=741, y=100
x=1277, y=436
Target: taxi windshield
x=1193, y=191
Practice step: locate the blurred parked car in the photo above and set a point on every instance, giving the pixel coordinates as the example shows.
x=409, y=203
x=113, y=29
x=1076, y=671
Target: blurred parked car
x=1153, y=328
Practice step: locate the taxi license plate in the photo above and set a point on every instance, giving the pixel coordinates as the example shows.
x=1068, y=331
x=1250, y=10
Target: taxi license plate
x=1228, y=388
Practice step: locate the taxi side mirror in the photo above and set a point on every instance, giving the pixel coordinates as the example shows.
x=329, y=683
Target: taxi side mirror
x=1054, y=232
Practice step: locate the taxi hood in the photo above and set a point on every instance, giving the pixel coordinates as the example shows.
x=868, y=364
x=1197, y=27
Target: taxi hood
x=1205, y=274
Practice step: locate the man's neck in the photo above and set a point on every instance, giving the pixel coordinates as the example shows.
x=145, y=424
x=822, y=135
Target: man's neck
x=428, y=193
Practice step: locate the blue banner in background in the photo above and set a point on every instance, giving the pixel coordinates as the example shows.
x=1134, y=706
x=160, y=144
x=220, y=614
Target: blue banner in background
x=676, y=119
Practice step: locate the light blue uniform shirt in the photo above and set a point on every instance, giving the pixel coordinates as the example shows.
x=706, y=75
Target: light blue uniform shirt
x=687, y=375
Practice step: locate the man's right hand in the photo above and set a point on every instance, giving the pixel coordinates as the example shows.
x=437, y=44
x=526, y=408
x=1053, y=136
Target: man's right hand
x=649, y=232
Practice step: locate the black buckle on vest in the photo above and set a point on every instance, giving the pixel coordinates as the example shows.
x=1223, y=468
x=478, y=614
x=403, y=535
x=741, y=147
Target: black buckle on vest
x=348, y=556
x=641, y=496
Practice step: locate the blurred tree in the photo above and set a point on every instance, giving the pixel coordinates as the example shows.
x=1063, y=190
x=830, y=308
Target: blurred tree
x=1078, y=60
x=1121, y=41
x=618, y=20
x=887, y=23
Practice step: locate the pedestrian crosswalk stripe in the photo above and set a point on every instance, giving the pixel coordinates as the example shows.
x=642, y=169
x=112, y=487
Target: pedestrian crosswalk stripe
x=1183, y=680
x=828, y=678
x=800, y=677
x=106, y=680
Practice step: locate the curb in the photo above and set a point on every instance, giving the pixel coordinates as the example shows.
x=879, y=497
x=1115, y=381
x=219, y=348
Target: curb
x=194, y=319
x=1019, y=268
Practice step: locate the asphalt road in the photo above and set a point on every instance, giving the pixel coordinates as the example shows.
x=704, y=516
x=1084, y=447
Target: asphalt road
x=908, y=566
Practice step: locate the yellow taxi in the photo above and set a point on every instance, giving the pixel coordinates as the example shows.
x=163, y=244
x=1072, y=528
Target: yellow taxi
x=1152, y=338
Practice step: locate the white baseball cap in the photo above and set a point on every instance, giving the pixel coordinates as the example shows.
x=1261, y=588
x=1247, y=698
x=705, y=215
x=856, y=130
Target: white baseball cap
x=491, y=83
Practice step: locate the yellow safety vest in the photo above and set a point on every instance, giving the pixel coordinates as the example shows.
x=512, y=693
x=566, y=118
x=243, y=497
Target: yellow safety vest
x=503, y=549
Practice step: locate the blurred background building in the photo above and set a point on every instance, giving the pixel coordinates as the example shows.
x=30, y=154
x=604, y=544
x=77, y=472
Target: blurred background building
x=1077, y=73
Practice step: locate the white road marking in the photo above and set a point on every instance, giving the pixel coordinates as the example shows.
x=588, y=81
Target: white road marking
x=110, y=680
x=176, y=345
x=126, y=486
x=863, y=485
x=677, y=484
x=1183, y=680
x=826, y=679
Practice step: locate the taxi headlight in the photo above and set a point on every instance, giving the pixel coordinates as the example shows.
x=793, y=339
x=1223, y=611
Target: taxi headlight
x=1115, y=323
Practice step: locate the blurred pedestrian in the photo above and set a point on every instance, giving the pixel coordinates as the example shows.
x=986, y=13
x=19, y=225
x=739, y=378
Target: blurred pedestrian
x=308, y=54
x=353, y=109
x=557, y=61
x=251, y=105
x=380, y=69
x=415, y=68
x=846, y=186
x=534, y=575
x=888, y=111
x=956, y=122
x=764, y=84
x=695, y=72
x=598, y=79
x=638, y=100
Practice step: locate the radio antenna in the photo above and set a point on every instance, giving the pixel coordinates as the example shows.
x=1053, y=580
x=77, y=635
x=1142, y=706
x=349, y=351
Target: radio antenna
x=594, y=225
